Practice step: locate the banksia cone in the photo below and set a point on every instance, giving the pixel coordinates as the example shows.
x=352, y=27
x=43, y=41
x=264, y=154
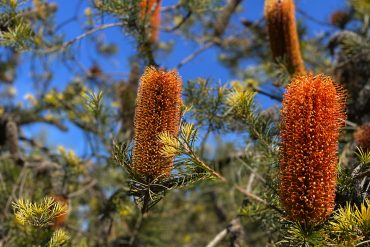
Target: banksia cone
x=362, y=137
x=12, y=138
x=340, y=18
x=282, y=30
x=60, y=220
x=312, y=115
x=157, y=110
x=146, y=7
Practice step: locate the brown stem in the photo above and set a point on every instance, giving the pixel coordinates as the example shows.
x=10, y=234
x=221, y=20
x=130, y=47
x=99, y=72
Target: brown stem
x=362, y=174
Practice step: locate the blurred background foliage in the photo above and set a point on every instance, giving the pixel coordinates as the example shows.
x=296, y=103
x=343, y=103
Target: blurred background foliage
x=63, y=77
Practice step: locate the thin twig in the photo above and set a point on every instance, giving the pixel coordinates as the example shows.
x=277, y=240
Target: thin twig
x=191, y=154
x=218, y=238
x=252, y=196
x=12, y=196
x=352, y=124
x=204, y=141
x=234, y=228
x=307, y=16
x=364, y=242
x=258, y=199
x=224, y=17
x=221, y=24
x=83, y=189
x=34, y=143
x=274, y=97
x=362, y=174
x=82, y=36
x=201, y=49
x=30, y=117
x=138, y=225
x=183, y=20
x=250, y=182
x=170, y=7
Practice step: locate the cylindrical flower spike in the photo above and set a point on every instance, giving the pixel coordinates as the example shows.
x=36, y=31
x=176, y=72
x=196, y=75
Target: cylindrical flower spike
x=158, y=110
x=152, y=8
x=362, y=137
x=60, y=220
x=282, y=30
x=312, y=115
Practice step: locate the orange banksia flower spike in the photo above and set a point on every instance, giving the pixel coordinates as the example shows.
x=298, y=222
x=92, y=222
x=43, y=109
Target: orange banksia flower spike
x=152, y=8
x=362, y=137
x=158, y=109
x=283, y=35
x=312, y=115
x=60, y=220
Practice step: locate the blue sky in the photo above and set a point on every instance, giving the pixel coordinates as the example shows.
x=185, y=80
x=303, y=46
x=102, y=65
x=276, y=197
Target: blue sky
x=205, y=65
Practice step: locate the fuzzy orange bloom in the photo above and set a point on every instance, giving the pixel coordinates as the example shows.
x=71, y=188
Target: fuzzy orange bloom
x=61, y=219
x=282, y=30
x=312, y=115
x=362, y=137
x=157, y=110
x=146, y=7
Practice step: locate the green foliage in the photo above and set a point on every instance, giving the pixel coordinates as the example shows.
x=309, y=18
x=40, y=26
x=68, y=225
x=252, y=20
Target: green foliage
x=59, y=238
x=363, y=156
x=362, y=7
x=200, y=93
x=119, y=8
x=199, y=6
x=94, y=103
x=189, y=168
x=39, y=214
x=354, y=45
x=182, y=147
x=35, y=219
x=72, y=161
x=19, y=36
x=351, y=224
x=300, y=236
x=16, y=30
x=226, y=156
x=346, y=187
x=240, y=101
x=280, y=72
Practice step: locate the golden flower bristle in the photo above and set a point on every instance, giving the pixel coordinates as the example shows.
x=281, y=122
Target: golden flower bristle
x=158, y=110
x=283, y=35
x=362, y=137
x=146, y=7
x=312, y=115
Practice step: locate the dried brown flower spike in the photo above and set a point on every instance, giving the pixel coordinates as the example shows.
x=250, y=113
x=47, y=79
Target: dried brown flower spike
x=312, y=115
x=362, y=137
x=282, y=30
x=340, y=18
x=146, y=7
x=157, y=110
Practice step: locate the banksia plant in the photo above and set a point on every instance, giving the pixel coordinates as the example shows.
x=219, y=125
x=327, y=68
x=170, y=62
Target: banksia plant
x=282, y=30
x=312, y=115
x=340, y=18
x=12, y=140
x=153, y=9
x=60, y=220
x=157, y=110
x=40, y=214
x=362, y=137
